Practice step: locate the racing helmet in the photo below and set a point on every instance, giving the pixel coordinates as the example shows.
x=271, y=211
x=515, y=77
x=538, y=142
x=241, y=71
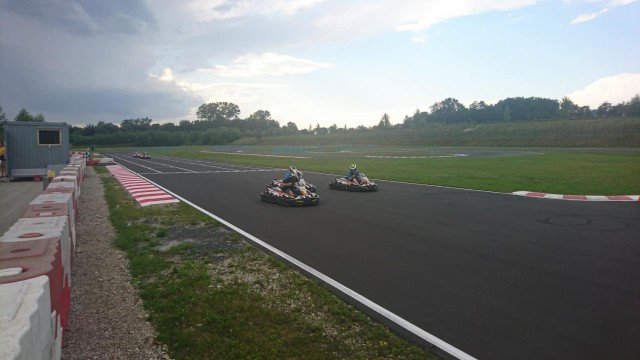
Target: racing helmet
x=353, y=167
x=293, y=169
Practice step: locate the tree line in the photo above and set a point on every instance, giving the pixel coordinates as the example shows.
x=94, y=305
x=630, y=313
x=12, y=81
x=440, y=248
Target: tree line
x=220, y=122
x=518, y=109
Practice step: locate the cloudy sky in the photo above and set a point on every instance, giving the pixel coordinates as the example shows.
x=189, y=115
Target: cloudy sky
x=344, y=62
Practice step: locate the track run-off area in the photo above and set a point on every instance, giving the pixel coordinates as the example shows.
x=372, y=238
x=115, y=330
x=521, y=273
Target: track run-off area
x=478, y=274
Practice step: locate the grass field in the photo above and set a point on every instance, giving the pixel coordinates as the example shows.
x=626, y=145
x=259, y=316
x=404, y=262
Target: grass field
x=237, y=302
x=213, y=296
x=556, y=171
x=621, y=132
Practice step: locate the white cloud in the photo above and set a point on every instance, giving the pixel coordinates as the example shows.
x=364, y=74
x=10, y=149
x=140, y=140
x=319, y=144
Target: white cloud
x=591, y=16
x=614, y=89
x=208, y=10
x=271, y=64
x=166, y=76
x=406, y=15
x=621, y=2
x=607, y=2
x=587, y=17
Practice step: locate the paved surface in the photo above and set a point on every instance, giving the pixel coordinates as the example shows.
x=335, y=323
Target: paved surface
x=14, y=198
x=497, y=276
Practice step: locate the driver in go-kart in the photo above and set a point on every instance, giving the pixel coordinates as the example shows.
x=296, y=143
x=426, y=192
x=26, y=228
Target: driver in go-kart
x=290, y=179
x=354, y=175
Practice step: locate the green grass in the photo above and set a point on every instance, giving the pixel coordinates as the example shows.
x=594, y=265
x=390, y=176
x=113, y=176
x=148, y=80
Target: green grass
x=621, y=132
x=236, y=302
x=561, y=172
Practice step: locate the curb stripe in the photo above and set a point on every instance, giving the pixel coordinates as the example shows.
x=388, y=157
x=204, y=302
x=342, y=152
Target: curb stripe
x=415, y=330
x=579, y=197
x=142, y=190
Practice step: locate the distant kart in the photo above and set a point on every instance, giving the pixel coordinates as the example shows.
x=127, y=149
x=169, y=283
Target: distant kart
x=145, y=156
x=302, y=195
x=343, y=184
x=136, y=154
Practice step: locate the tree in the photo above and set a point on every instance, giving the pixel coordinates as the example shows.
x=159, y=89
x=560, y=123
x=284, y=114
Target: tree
x=527, y=109
x=384, y=122
x=24, y=115
x=3, y=116
x=449, y=110
x=605, y=109
x=3, y=121
x=290, y=129
x=106, y=128
x=139, y=124
x=568, y=109
x=320, y=130
x=632, y=108
x=219, y=113
x=260, y=122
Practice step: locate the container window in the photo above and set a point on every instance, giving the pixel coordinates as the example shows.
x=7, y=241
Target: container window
x=49, y=137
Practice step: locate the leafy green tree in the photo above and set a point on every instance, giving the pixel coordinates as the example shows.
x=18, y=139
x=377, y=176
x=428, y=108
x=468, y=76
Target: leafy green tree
x=106, y=128
x=259, y=123
x=139, y=124
x=290, y=129
x=449, y=110
x=533, y=108
x=219, y=113
x=568, y=109
x=89, y=130
x=384, y=122
x=3, y=116
x=632, y=108
x=320, y=130
x=24, y=115
x=605, y=109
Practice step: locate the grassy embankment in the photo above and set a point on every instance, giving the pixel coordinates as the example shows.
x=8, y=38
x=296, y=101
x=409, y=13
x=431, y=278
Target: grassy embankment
x=567, y=133
x=213, y=296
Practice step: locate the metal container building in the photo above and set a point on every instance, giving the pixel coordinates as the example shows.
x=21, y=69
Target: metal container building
x=33, y=148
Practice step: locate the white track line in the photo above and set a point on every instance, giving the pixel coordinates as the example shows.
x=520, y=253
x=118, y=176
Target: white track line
x=278, y=156
x=439, y=343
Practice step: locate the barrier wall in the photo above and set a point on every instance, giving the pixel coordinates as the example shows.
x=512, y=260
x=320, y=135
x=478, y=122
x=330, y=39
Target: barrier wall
x=25, y=304
x=36, y=256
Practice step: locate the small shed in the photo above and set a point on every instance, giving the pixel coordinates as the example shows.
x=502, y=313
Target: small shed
x=33, y=148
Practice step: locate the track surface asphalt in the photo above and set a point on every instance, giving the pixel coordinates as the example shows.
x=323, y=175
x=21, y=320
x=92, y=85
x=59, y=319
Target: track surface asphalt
x=495, y=275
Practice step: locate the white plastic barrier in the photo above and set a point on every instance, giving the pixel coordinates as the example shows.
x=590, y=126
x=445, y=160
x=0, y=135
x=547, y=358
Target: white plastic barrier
x=48, y=198
x=72, y=171
x=68, y=178
x=26, y=327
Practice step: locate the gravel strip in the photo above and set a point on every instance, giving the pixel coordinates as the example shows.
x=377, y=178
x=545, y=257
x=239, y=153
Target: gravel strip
x=107, y=318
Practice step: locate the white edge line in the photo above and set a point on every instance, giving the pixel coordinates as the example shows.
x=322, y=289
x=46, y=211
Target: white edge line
x=441, y=344
x=278, y=156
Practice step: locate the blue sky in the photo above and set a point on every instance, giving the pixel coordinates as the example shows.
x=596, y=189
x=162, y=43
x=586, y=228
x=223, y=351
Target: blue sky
x=309, y=61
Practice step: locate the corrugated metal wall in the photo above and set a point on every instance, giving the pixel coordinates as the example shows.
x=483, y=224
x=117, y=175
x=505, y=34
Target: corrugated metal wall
x=23, y=151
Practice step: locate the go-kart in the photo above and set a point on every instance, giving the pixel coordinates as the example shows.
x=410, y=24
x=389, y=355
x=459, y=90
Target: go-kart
x=342, y=183
x=302, y=182
x=145, y=156
x=302, y=196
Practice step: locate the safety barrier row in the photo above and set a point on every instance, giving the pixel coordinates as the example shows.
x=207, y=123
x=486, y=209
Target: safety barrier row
x=36, y=258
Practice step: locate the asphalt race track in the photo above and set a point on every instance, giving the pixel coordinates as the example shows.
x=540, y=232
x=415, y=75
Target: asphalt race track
x=494, y=275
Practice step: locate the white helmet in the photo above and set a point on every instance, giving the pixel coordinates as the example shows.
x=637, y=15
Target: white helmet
x=293, y=169
x=353, y=167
